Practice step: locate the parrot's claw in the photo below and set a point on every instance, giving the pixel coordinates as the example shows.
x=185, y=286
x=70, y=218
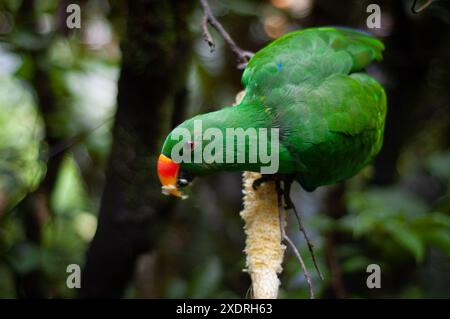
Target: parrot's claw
x=264, y=179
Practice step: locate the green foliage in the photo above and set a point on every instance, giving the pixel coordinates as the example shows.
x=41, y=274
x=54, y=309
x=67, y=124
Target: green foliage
x=395, y=217
x=205, y=282
x=439, y=166
x=69, y=196
x=20, y=140
x=82, y=94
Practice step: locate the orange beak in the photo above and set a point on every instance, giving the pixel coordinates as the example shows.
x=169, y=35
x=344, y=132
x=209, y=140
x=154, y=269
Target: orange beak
x=168, y=176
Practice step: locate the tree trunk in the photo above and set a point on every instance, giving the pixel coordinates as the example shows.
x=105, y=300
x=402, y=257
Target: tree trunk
x=151, y=91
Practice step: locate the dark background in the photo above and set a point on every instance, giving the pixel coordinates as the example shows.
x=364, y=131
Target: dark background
x=83, y=114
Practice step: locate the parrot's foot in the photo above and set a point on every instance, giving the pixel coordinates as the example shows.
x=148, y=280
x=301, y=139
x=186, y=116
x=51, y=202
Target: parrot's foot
x=287, y=182
x=264, y=179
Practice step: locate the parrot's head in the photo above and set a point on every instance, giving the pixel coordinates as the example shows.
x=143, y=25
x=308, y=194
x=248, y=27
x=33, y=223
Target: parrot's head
x=200, y=146
x=176, y=164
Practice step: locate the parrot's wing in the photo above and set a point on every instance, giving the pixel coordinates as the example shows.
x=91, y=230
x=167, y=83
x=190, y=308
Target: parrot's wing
x=305, y=58
x=343, y=118
x=342, y=104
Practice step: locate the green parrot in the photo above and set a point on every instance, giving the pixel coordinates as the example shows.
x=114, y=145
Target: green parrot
x=311, y=86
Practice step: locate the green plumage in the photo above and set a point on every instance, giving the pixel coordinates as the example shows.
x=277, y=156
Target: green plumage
x=311, y=85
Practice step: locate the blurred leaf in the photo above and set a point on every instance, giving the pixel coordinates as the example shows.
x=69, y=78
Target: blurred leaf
x=207, y=279
x=29, y=41
x=20, y=140
x=440, y=239
x=322, y=222
x=439, y=165
x=407, y=238
x=69, y=196
x=354, y=264
x=434, y=219
x=383, y=202
x=412, y=292
x=177, y=288
x=7, y=287
x=25, y=258
x=26, y=69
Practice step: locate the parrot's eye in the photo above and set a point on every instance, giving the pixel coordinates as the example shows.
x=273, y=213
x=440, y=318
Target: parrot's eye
x=189, y=145
x=182, y=182
x=184, y=179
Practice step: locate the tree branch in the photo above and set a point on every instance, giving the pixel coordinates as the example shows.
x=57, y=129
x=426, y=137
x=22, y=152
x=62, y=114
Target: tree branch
x=421, y=8
x=242, y=55
x=285, y=238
